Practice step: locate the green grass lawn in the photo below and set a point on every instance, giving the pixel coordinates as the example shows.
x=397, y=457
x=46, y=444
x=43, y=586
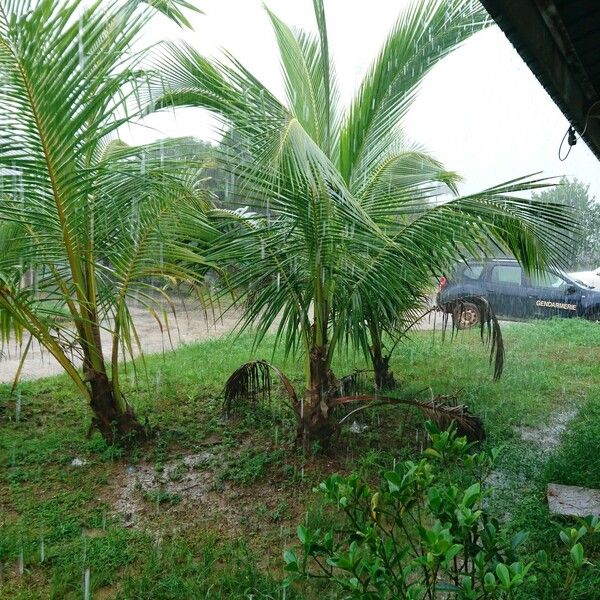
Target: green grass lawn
x=59, y=521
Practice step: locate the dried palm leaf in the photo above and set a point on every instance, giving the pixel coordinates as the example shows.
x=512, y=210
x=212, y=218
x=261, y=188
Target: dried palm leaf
x=442, y=410
x=253, y=381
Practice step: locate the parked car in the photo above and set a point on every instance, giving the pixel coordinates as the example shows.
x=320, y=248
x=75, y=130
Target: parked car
x=513, y=295
x=588, y=277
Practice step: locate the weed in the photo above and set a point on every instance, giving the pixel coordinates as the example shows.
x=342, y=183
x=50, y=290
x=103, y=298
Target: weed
x=162, y=497
x=249, y=466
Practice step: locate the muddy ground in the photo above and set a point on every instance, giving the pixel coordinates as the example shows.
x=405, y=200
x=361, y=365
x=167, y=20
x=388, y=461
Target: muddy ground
x=193, y=324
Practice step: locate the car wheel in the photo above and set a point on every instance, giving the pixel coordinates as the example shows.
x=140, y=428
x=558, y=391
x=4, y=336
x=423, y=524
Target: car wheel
x=594, y=316
x=466, y=315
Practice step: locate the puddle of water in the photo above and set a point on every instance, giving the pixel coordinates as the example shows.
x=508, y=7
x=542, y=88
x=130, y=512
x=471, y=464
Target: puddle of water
x=547, y=438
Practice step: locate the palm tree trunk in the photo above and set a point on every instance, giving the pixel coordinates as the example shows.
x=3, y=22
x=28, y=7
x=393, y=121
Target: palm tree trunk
x=116, y=424
x=384, y=378
x=113, y=417
x=315, y=424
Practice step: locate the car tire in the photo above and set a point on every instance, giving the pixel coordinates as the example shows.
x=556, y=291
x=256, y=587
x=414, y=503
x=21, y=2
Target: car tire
x=466, y=315
x=593, y=316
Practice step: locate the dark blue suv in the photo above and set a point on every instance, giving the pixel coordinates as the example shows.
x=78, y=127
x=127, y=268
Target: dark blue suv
x=513, y=294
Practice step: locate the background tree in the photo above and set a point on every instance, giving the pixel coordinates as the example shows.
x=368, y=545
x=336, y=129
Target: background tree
x=203, y=158
x=95, y=220
x=585, y=253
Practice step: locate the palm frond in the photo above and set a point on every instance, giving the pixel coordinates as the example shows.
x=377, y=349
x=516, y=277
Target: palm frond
x=442, y=410
x=252, y=381
x=170, y=8
x=309, y=78
x=426, y=32
x=489, y=328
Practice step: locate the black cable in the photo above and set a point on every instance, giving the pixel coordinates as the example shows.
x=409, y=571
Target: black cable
x=572, y=134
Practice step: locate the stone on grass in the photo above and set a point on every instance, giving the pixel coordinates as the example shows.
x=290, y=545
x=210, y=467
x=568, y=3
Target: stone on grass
x=357, y=427
x=573, y=501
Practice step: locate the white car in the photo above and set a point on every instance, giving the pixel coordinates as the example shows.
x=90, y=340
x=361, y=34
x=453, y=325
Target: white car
x=588, y=277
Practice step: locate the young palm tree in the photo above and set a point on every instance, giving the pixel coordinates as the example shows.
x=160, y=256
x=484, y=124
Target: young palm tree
x=414, y=175
x=351, y=233
x=415, y=200
x=92, y=221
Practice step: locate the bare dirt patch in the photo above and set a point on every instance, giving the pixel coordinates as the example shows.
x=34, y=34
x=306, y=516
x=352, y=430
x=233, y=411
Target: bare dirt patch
x=106, y=593
x=188, y=492
x=141, y=491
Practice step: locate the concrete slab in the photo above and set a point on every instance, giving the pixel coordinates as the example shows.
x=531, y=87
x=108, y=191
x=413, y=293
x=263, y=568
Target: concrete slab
x=573, y=501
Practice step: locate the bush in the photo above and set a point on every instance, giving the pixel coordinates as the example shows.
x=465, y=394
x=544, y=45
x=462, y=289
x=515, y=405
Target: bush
x=420, y=535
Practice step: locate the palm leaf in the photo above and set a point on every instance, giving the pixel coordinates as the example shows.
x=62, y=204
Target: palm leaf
x=443, y=411
x=253, y=381
x=426, y=32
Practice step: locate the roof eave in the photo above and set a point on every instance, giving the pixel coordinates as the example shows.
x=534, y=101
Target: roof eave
x=529, y=26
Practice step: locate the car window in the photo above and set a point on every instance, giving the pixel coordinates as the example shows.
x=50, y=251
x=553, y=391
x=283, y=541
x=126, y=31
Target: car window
x=547, y=279
x=473, y=272
x=506, y=275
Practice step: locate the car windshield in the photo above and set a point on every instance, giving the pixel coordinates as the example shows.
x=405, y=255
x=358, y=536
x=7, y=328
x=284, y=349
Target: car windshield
x=589, y=286
x=558, y=279
x=577, y=281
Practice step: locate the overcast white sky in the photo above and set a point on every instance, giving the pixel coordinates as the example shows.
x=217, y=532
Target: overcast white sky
x=480, y=111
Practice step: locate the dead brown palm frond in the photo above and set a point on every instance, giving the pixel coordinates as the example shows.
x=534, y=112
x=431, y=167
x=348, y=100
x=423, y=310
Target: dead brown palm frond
x=253, y=382
x=489, y=326
x=442, y=410
x=354, y=383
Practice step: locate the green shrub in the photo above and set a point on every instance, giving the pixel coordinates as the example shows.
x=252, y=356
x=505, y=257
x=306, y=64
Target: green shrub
x=418, y=535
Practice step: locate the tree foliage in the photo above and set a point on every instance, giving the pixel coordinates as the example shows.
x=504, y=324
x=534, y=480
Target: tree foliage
x=585, y=250
x=92, y=221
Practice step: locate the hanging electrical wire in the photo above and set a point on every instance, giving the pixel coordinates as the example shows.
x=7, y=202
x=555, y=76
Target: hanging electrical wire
x=571, y=134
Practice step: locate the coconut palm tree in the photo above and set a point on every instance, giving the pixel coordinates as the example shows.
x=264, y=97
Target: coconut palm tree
x=354, y=223
x=452, y=228
x=415, y=175
x=94, y=220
